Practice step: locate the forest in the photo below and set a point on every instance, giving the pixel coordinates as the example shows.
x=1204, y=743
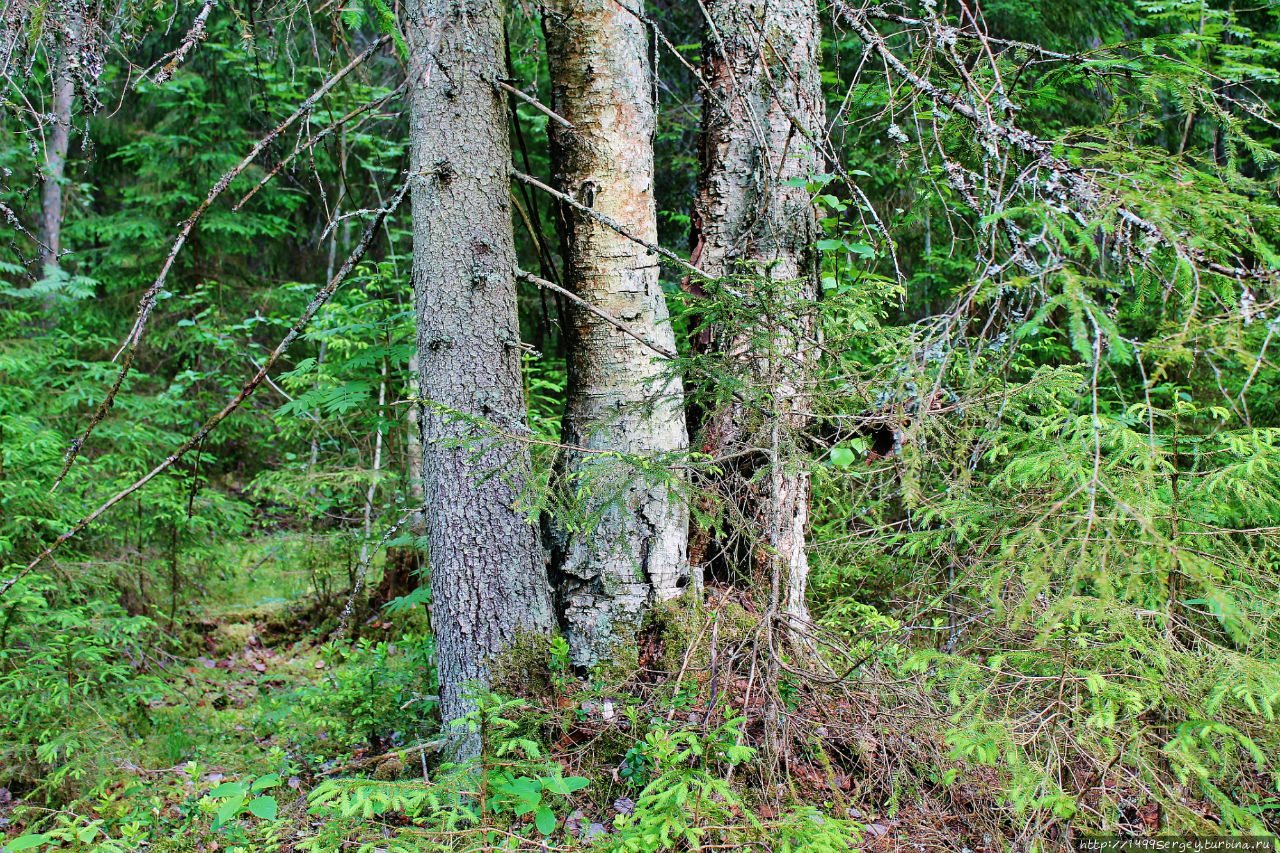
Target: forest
x=792, y=426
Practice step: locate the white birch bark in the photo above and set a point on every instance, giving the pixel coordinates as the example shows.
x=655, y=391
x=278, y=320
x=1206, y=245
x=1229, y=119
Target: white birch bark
x=622, y=397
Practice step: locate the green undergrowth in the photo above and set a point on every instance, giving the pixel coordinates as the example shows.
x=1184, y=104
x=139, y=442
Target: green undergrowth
x=307, y=745
x=640, y=759
x=518, y=797
x=1071, y=717
x=114, y=729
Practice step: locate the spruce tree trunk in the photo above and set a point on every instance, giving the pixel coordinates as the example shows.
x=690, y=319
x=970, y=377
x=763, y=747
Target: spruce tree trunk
x=622, y=396
x=487, y=573
x=413, y=446
x=762, y=111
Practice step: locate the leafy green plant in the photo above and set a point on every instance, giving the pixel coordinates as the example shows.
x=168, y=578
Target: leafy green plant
x=72, y=833
x=375, y=693
x=245, y=798
x=635, y=765
x=528, y=795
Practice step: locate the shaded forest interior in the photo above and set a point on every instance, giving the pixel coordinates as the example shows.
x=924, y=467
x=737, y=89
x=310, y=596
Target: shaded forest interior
x=781, y=425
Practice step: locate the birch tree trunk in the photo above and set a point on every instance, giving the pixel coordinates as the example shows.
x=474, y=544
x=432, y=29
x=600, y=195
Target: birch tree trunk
x=487, y=574
x=55, y=164
x=622, y=396
x=761, y=112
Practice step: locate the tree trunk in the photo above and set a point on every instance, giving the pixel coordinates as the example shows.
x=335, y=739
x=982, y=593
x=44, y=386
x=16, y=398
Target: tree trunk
x=487, y=574
x=761, y=113
x=367, y=541
x=622, y=396
x=55, y=163
x=413, y=446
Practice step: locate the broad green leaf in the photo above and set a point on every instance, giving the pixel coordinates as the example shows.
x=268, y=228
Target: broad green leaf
x=270, y=780
x=264, y=807
x=568, y=785
x=228, y=810
x=228, y=789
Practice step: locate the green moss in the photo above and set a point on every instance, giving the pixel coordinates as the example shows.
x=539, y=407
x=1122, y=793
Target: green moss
x=684, y=629
x=619, y=665
x=525, y=667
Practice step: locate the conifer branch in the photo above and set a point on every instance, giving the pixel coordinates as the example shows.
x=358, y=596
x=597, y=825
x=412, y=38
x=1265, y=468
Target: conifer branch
x=366, y=239
x=148, y=302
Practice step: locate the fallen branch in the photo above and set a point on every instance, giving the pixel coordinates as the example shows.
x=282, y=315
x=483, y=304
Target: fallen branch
x=362, y=570
x=148, y=301
x=429, y=746
x=316, y=303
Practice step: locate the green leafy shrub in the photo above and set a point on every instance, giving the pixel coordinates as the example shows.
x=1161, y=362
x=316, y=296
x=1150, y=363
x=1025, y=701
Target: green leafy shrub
x=375, y=694
x=62, y=662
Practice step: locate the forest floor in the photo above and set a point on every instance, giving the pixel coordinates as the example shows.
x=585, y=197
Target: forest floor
x=223, y=747
x=237, y=703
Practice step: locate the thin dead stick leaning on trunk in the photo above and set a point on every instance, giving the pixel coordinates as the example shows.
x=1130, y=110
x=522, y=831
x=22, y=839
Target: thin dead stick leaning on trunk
x=610, y=223
x=362, y=570
x=148, y=301
x=608, y=318
x=316, y=303
x=535, y=103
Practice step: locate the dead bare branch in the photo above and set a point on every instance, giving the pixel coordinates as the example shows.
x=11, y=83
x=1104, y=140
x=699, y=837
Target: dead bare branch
x=147, y=303
x=608, y=318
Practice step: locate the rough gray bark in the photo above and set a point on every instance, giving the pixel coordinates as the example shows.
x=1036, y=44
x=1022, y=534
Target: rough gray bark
x=487, y=574
x=622, y=398
x=413, y=446
x=762, y=110
x=57, y=143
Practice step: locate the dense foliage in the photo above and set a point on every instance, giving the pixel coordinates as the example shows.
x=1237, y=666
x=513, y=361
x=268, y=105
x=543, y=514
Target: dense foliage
x=1044, y=445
